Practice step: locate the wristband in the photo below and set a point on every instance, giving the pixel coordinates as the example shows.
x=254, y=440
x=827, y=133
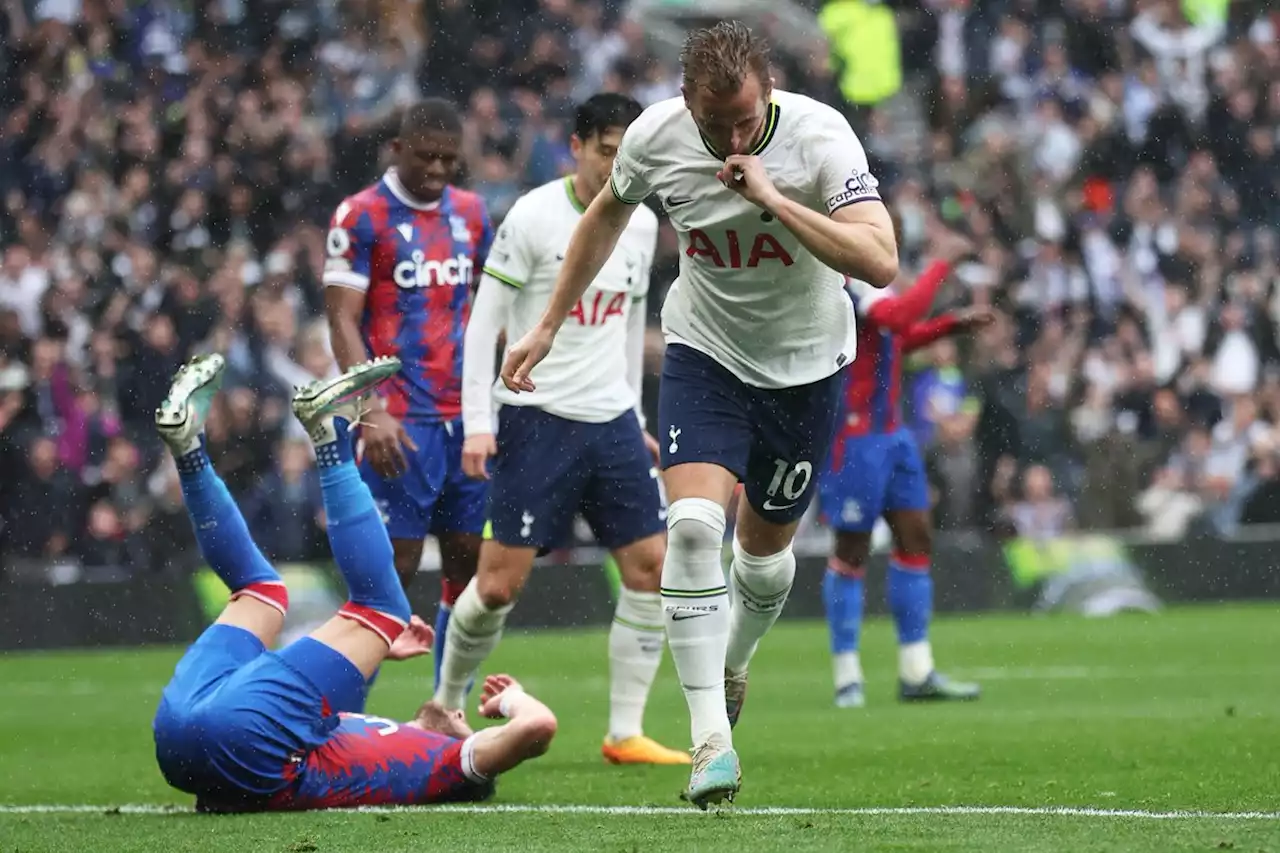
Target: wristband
x=504, y=703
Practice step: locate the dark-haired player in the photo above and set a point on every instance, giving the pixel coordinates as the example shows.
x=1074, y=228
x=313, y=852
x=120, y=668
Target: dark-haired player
x=577, y=443
x=246, y=729
x=771, y=197
x=403, y=254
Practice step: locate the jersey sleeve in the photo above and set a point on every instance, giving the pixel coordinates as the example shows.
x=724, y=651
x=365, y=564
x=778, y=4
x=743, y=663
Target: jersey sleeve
x=349, y=248
x=512, y=254
x=844, y=176
x=630, y=178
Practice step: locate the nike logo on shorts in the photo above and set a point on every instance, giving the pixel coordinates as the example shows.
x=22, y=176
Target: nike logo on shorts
x=773, y=507
x=681, y=615
x=677, y=202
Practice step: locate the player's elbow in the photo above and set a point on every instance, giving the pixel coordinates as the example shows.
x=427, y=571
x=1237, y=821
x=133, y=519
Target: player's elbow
x=537, y=732
x=881, y=270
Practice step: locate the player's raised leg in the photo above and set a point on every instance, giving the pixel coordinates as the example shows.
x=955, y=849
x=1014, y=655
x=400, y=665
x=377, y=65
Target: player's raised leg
x=377, y=610
x=793, y=432
x=252, y=618
x=760, y=579
x=258, y=596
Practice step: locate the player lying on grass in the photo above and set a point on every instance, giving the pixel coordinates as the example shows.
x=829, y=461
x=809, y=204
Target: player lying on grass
x=576, y=444
x=876, y=469
x=246, y=729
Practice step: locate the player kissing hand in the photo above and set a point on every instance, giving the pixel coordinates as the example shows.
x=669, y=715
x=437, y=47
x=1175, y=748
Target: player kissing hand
x=476, y=451
x=745, y=175
x=524, y=357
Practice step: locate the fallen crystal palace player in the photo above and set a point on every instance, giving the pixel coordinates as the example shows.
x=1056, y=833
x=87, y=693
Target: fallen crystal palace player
x=247, y=729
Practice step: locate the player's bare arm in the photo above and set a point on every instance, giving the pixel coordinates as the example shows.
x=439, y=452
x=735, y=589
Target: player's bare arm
x=527, y=734
x=592, y=243
x=857, y=240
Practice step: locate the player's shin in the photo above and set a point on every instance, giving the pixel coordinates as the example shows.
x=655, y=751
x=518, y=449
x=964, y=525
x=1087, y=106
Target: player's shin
x=758, y=587
x=696, y=610
x=449, y=592
x=842, y=598
x=223, y=536
x=910, y=594
x=358, y=539
x=635, y=652
x=474, y=632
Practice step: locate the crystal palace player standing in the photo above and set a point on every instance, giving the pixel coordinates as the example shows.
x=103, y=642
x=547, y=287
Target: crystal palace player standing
x=876, y=469
x=773, y=203
x=403, y=254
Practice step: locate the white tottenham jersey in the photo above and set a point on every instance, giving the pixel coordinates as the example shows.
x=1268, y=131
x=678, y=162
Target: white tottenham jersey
x=584, y=377
x=749, y=295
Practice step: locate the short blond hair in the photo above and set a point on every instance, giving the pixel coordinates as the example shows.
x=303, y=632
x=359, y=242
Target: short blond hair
x=719, y=58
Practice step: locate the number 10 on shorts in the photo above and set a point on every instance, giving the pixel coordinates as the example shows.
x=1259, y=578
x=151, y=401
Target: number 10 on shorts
x=789, y=480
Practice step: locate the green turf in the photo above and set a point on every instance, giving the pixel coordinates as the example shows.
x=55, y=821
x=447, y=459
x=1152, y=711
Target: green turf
x=1179, y=711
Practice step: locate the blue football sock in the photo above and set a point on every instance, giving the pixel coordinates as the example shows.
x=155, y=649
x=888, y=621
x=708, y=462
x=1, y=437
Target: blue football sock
x=221, y=531
x=442, y=625
x=357, y=534
x=910, y=595
x=842, y=595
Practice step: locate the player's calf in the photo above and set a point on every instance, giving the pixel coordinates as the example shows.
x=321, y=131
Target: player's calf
x=357, y=536
x=635, y=653
x=843, y=598
x=478, y=617
x=259, y=598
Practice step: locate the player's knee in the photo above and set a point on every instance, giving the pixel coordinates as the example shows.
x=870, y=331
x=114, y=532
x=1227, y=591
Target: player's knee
x=407, y=560
x=853, y=548
x=501, y=575
x=496, y=590
x=695, y=524
x=641, y=564
x=914, y=536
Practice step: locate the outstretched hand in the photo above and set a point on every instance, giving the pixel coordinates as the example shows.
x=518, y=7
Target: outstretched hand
x=491, y=695
x=415, y=641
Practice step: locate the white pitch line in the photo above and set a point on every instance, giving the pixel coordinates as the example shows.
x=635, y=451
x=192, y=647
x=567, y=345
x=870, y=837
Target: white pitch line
x=761, y=811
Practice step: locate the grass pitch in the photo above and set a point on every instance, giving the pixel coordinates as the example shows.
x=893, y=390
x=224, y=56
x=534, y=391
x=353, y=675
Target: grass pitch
x=1140, y=733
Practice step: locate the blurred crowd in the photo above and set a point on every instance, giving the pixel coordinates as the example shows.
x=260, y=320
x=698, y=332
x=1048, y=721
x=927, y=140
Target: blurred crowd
x=167, y=167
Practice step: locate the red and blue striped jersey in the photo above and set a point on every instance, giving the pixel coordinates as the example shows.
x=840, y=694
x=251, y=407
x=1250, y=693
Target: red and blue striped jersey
x=889, y=326
x=371, y=761
x=416, y=263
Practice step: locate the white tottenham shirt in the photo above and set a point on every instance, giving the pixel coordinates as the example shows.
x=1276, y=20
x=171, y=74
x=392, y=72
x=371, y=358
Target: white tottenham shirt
x=592, y=373
x=749, y=295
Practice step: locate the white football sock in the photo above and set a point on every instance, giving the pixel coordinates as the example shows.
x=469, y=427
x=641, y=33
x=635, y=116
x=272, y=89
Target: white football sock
x=474, y=631
x=847, y=668
x=915, y=662
x=758, y=589
x=635, y=651
x=696, y=612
